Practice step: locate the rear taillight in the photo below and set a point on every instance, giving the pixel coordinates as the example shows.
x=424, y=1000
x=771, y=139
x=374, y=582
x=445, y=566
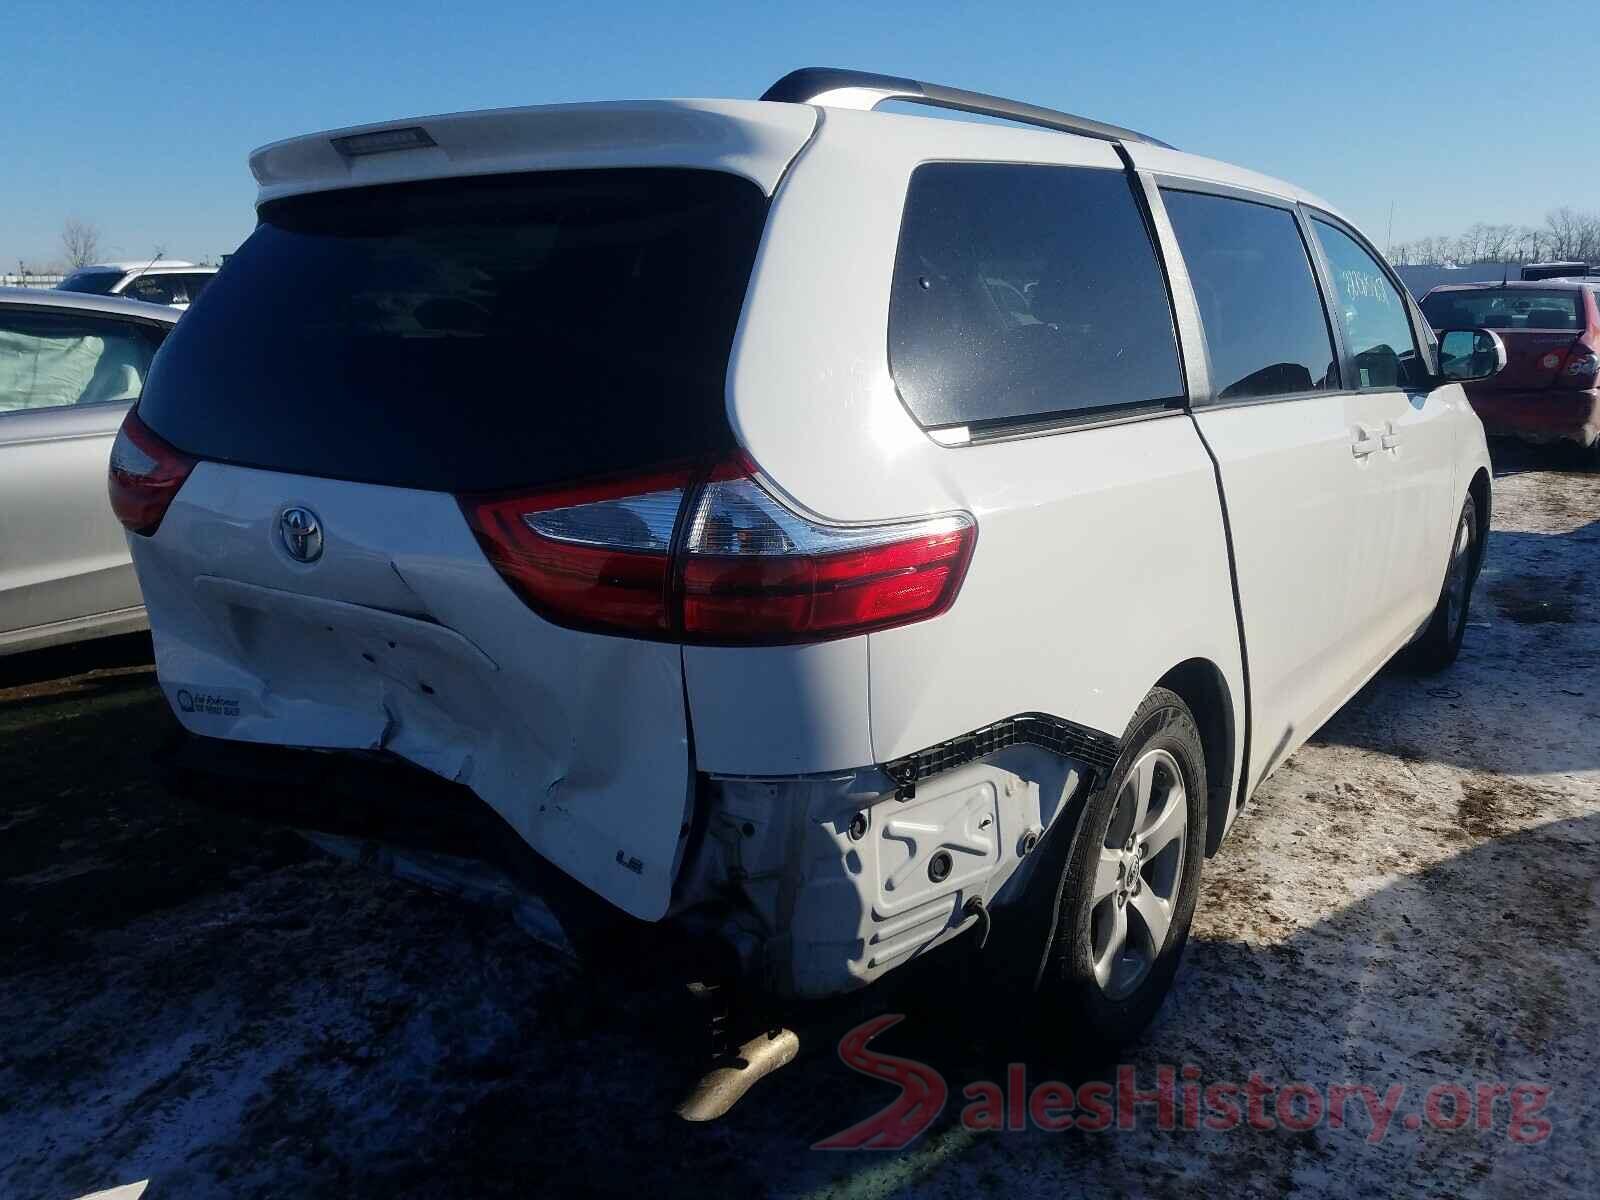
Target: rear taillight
x=716, y=559
x=755, y=571
x=1582, y=363
x=145, y=474
x=596, y=557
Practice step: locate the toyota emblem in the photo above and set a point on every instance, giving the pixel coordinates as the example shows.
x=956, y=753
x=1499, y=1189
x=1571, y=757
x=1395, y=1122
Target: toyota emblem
x=301, y=533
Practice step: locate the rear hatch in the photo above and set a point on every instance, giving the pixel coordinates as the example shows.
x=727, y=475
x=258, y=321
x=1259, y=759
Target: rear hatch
x=369, y=358
x=1538, y=326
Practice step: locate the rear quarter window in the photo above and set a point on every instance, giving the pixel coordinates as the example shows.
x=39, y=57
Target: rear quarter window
x=1027, y=293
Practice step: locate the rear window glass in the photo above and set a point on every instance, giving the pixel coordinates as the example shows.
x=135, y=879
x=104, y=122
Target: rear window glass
x=1024, y=293
x=459, y=335
x=1505, y=308
x=94, y=283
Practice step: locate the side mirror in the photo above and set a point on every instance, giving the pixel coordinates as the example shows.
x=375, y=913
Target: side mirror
x=1469, y=354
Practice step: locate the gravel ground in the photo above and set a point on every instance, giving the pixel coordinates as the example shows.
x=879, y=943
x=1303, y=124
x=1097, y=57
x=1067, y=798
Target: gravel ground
x=207, y=1003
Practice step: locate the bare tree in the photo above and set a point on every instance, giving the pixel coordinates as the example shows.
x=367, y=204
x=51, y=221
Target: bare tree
x=1497, y=242
x=1567, y=235
x=1530, y=244
x=1588, y=239
x=81, y=241
x=1469, y=246
x=1433, y=251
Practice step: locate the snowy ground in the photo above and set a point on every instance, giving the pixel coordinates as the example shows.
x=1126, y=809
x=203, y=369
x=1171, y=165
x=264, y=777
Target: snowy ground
x=205, y=1003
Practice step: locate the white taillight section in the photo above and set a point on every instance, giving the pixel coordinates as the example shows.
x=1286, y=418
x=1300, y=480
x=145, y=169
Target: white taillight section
x=627, y=523
x=145, y=474
x=754, y=571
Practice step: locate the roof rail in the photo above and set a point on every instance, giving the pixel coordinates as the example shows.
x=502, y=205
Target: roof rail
x=865, y=89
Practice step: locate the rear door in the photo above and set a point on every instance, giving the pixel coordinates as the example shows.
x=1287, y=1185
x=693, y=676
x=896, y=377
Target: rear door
x=1305, y=505
x=372, y=360
x=66, y=379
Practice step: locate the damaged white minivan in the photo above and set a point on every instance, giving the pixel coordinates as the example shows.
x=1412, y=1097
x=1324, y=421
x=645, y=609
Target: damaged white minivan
x=834, y=532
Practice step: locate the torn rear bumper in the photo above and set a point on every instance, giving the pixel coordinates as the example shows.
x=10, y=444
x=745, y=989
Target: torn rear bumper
x=804, y=887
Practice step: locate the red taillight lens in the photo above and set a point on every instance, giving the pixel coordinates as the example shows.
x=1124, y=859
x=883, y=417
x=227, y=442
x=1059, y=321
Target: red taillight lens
x=146, y=473
x=596, y=556
x=756, y=572
x=748, y=569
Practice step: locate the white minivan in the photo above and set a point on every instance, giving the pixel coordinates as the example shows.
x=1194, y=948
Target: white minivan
x=835, y=532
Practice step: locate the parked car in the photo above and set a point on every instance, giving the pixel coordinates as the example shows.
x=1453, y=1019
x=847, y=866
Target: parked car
x=828, y=531
x=1550, y=389
x=70, y=369
x=1571, y=269
x=174, y=283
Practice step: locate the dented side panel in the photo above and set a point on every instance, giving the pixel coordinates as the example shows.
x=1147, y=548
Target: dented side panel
x=401, y=636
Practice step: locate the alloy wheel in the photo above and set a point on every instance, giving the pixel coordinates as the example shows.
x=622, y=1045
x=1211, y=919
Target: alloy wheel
x=1138, y=873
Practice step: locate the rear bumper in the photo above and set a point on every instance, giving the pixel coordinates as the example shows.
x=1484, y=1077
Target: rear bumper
x=806, y=887
x=1547, y=415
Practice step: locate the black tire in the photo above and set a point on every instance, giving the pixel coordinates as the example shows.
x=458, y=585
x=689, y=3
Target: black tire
x=1440, y=642
x=1078, y=1015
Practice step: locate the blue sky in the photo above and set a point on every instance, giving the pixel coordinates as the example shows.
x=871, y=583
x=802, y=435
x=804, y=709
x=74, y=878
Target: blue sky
x=139, y=117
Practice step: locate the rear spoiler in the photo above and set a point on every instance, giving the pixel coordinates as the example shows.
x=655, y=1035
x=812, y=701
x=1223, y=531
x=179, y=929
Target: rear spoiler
x=743, y=137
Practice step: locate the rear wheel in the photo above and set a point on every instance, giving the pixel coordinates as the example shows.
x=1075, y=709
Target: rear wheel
x=1128, y=893
x=1441, y=641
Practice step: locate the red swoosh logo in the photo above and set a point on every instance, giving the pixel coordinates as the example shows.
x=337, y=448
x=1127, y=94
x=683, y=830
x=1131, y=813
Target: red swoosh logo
x=921, y=1100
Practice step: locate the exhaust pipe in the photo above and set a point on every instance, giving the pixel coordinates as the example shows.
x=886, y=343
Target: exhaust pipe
x=735, y=1074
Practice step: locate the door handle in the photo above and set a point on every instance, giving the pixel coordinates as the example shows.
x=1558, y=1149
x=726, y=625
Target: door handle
x=1364, y=445
x=1389, y=437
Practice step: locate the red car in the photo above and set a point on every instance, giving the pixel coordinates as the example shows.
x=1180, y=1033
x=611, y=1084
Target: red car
x=1550, y=387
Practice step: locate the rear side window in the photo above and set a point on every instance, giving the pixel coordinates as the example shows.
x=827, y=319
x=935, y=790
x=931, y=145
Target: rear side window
x=1266, y=331
x=157, y=289
x=1027, y=293
x=1372, y=313
x=470, y=334
x=52, y=359
x=1505, y=308
x=193, y=285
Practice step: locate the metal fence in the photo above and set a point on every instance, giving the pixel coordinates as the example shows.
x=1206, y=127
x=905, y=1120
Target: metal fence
x=30, y=280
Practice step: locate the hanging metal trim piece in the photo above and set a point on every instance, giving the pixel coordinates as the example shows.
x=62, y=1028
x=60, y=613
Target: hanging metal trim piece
x=843, y=88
